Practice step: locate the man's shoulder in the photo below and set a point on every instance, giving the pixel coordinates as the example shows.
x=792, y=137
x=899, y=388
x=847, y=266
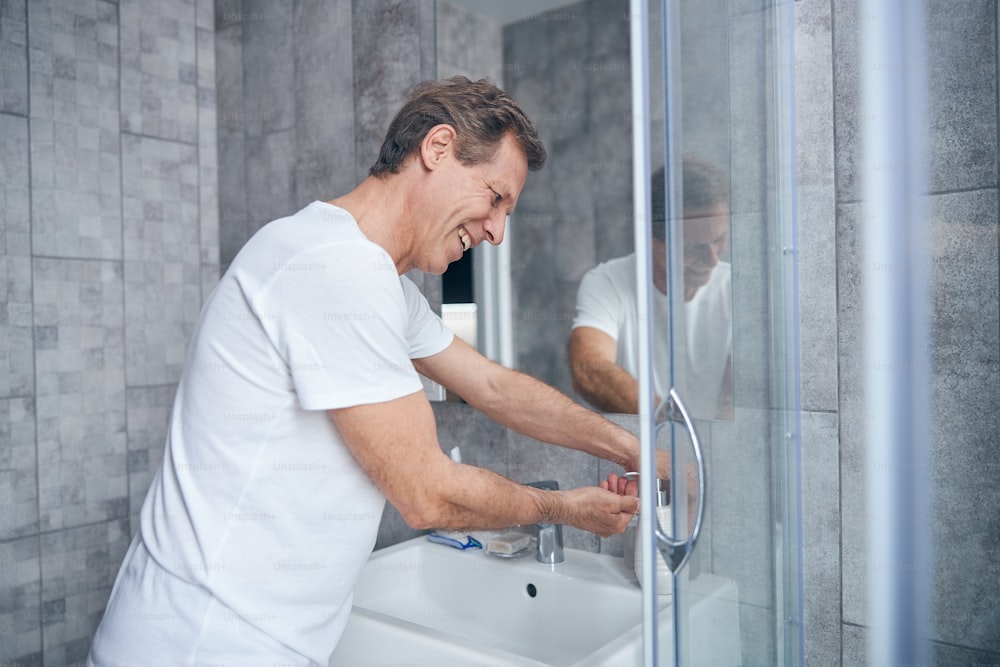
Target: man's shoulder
x=615, y=270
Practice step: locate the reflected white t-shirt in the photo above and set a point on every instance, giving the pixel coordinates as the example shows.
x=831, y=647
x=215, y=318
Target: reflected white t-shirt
x=260, y=520
x=606, y=300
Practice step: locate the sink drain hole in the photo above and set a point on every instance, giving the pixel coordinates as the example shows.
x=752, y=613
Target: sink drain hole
x=532, y=591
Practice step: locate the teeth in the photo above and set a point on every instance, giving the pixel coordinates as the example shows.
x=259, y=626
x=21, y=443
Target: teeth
x=466, y=239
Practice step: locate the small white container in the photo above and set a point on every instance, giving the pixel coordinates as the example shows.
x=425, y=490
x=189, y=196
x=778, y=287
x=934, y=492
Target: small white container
x=664, y=577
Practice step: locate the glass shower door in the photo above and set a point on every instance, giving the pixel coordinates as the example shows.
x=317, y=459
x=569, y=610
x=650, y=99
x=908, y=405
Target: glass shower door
x=722, y=294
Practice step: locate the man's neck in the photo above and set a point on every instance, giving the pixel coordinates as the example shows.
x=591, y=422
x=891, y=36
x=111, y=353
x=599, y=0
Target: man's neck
x=379, y=208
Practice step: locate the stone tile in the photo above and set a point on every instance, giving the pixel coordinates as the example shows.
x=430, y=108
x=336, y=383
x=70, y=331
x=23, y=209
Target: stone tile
x=208, y=161
x=80, y=372
x=948, y=655
x=234, y=217
x=268, y=56
x=821, y=536
x=757, y=645
x=148, y=413
x=387, y=62
x=20, y=613
x=740, y=495
x=847, y=100
x=961, y=84
x=851, y=402
x=817, y=298
x=705, y=81
x=751, y=311
x=205, y=14
x=426, y=27
x=962, y=95
x=79, y=566
x=16, y=351
x=749, y=166
x=855, y=646
x=468, y=44
x=75, y=170
x=159, y=56
x=965, y=427
x=18, y=483
x=609, y=24
x=816, y=205
x=270, y=176
x=324, y=114
x=14, y=57
x=162, y=256
x=814, y=95
x=227, y=14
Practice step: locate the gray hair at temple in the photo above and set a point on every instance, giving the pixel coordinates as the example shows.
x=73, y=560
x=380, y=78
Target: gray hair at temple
x=705, y=186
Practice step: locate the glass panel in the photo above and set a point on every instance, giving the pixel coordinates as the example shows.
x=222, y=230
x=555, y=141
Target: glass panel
x=729, y=158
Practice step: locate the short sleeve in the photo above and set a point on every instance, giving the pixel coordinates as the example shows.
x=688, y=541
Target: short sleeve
x=598, y=303
x=338, y=318
x=426, y=333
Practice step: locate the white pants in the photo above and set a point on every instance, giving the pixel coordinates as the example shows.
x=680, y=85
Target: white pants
x=155, y=618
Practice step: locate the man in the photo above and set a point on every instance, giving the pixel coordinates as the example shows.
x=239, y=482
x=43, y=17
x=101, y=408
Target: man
x=603, y=347
x=300, y=409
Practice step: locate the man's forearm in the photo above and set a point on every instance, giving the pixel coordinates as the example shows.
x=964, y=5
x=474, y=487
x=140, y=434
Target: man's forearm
x=606, y=386
x=537, y=410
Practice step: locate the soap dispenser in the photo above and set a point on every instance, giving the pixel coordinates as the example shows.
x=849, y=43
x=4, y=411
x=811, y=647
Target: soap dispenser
x=664, y=577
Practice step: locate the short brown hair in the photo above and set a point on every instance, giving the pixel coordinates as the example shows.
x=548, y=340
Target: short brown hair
x=704, y=186
x=480, y=112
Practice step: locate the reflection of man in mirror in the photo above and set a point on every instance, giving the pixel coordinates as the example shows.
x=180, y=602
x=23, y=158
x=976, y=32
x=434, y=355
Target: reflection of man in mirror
x=603, y=347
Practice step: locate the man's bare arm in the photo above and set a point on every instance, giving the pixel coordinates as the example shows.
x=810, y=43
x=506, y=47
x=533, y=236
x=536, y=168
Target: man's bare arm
x=529, y=406
x=602, y=382
x=396, y=444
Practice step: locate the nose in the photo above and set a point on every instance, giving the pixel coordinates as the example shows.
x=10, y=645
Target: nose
x=493, y=227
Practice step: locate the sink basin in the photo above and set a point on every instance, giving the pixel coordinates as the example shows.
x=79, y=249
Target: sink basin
x=423, y=603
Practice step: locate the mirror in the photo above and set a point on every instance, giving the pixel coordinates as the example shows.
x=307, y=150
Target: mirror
x=567, y=65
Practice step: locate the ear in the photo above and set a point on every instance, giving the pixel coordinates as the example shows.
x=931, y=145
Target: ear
x=437, y=144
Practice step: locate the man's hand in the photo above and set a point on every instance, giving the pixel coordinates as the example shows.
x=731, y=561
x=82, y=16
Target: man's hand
x=623, y=486
x=600, y=512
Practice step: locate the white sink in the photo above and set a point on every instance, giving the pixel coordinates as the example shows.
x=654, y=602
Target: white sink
x=423, y=603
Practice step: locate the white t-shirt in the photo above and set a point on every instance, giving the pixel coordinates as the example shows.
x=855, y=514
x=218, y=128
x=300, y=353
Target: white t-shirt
x=606, y=300
x=259, y=510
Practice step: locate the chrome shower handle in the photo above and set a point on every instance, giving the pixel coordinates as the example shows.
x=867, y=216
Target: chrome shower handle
x=676, y=552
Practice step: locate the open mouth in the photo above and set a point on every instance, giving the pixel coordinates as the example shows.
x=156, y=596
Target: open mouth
x=465, y=238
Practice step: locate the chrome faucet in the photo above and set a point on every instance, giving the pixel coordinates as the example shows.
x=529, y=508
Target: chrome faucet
x=550, y=537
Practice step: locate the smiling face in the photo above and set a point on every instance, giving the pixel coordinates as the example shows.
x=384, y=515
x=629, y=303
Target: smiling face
x=464, y=205
x=706, y=237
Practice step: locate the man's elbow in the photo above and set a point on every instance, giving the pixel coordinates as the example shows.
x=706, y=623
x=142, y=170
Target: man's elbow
x=424, y=512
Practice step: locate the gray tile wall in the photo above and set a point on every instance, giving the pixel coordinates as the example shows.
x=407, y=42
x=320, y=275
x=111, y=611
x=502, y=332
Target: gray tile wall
x=302, y=115
x=108, y=242
x=569, y=70
x=963, y=215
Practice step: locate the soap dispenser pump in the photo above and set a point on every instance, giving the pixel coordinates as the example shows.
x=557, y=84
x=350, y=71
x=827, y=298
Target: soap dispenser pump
x=664, y=577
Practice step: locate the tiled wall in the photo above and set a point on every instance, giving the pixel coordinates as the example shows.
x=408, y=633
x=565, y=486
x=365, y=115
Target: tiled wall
x=108, y=244
x=962, y=206
x=569, y=69
x=306, y=90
